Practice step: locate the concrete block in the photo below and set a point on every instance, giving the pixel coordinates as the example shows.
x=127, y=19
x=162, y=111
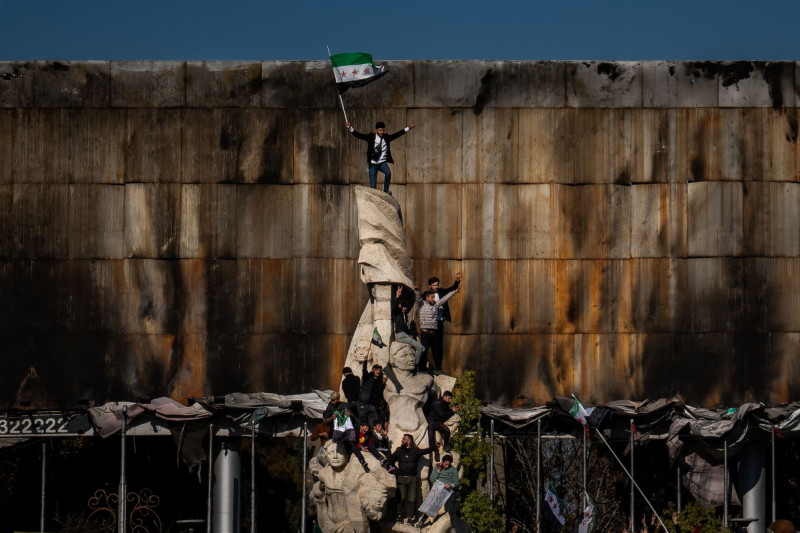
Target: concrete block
x=603, y=362
x=152, y=220
x=654, y=146
x=148, y=304
x=658, y=294
x=771, y=296
x=208, y=221
x=96, y=221
x=321, y=225
x=715, y=294
x=435, y=148
x=604, y=84
x=449, y=83
x=785, y=379
x=593, y=221
x=150, y=145
x=327, y=153
x=433, y=220
x=490, y=144
x=680, y=83
x=771, y=220
x=658, y=220
x=265, y=221
x=72, y=83
x=17, y=90
x=541, y=147
x=148, y=83
x=96, y=154
x=42, y=150
x=757, y=84
x=6, y=219
x=264, y=292
x=531, y=84
x=7, y=127
x=223, y=84
x=715, y=219
x=40, y=213
x=238, y=145
x=320, y=306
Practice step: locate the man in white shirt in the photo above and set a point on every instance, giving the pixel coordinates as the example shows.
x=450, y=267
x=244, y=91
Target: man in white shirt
x=379, y=154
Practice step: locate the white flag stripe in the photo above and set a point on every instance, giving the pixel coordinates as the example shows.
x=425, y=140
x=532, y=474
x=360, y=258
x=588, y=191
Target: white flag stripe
x=353, y=72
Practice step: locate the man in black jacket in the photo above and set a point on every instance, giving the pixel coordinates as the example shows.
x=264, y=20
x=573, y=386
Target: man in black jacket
x=371, y=394
x=407, y=458
x=439, y=414
x=437, y=346
x=379, y=154
x=351, y=386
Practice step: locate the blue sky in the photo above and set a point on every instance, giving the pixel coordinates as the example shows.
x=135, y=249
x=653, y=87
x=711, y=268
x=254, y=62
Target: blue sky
x=409, y=29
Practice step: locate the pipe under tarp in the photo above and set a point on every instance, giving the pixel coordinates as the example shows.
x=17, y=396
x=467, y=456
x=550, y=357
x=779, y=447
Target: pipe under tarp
x=752, y=485
x=227, y=485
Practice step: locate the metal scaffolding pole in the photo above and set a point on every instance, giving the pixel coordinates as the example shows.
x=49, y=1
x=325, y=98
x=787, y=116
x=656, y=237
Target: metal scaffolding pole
x=210, y=476
x=678, y=485
x=772, y=433
x=305, y=475
x=123, y=483
x=633, y=483
x=253, y=480
x=491, y=460
x=538, y=474
x=725, y=485
x=585, y=503
x=44, y=484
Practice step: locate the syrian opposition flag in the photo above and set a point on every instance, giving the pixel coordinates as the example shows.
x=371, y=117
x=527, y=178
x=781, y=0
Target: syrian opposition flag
x=551, y=498
x=589, y=519
x=581, y=414
x=377, y=340
x=354, y=70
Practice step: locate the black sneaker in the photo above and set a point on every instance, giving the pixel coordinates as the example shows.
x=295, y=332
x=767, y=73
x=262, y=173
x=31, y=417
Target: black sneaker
x=366, y=467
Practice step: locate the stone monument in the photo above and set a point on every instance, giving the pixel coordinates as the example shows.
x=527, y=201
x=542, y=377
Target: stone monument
x=345, y=496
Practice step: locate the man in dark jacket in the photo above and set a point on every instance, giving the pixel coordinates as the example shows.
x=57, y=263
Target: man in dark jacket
x=437, y=346
x=351, y=386
x=407, y=458
x=379, y=154
x=371, y=394
x=439, y=414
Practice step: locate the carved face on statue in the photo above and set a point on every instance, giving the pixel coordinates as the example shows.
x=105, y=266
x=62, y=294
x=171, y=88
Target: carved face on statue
x=336, y=455
x=402, y=356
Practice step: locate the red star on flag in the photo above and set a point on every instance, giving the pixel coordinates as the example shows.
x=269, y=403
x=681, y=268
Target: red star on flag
x=551, y=499
x=559, y=513
x=367, y=71
x=344, y=74
x=355, y=72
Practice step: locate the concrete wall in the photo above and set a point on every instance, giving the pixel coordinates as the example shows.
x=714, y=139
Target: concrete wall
x=626, y=229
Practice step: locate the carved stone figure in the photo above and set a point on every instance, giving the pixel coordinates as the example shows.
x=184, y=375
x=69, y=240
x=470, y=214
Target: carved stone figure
x=347, y=497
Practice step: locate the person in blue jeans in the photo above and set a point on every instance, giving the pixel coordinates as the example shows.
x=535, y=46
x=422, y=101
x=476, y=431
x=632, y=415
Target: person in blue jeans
x=379, y=153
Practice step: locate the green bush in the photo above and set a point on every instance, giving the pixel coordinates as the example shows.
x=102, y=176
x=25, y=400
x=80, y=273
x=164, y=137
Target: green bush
x=690, y=516
x=482, y=514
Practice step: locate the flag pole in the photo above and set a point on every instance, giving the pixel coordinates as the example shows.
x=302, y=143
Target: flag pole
x=599, y=434
x=341, y=101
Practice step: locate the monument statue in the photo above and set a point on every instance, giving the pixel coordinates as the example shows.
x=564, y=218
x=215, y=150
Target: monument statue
x=347, y=497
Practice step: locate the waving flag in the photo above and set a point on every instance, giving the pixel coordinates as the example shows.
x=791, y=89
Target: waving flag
x=589, y=519
x=551, y=498
x=354, y=70
x=581, y=414
x=377, y=340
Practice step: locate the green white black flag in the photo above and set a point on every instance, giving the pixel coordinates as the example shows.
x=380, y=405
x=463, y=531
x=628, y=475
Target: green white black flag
x=354, y=70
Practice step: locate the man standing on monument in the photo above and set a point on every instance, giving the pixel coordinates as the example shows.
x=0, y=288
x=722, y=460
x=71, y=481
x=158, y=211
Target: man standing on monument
x=407, y=458
x=379, y=154
x=370, y=395
x=442, y=316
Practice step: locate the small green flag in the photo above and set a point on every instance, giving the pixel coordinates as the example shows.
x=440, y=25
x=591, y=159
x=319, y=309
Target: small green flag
x=376, y=339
